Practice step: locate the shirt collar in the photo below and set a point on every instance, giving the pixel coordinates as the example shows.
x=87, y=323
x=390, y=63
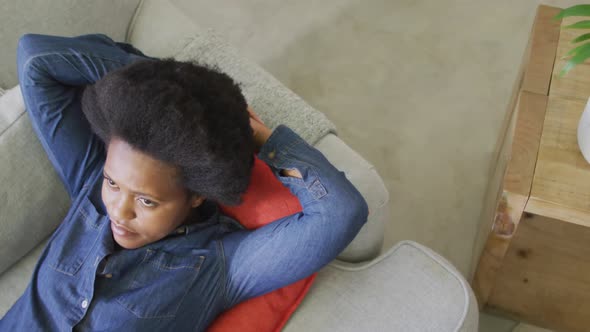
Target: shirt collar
x=207, y=214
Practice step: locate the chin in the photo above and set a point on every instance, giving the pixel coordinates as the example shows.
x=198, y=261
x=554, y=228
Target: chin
x=126, y=244
x=125, y=238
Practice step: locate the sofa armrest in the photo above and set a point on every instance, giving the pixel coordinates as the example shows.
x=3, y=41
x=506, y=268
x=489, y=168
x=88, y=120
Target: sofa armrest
x=409, y=288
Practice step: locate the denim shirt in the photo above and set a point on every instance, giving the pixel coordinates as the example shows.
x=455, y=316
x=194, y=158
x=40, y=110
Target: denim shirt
x=185, y=280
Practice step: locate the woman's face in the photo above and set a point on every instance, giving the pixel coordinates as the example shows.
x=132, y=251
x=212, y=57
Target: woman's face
x=142, y=196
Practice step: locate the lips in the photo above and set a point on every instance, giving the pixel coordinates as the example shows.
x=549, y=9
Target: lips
x=120, y=230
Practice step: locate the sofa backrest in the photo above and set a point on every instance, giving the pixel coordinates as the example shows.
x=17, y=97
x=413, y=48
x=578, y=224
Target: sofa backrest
x=57, y=17
x=32, y=199
x=32, y=192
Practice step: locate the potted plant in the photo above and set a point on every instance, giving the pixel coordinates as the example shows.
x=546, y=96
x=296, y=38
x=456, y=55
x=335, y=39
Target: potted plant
x=576, y=56
x=580, y=53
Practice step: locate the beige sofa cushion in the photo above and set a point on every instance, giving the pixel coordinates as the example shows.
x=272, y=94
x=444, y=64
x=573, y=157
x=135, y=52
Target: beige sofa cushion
x=160, y=29
x=11, y=107
x=409, y=288
x=273, y=102
x=32, y=199
x=58, y=17
x=14, y=281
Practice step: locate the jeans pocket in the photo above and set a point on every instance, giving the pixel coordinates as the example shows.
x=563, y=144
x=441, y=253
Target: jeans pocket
x=160, y=283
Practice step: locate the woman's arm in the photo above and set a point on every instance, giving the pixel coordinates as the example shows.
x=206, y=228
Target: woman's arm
x=52, y=71
x=296, y=246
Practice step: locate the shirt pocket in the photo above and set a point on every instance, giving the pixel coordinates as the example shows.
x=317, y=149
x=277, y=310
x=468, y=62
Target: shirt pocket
x=160, y=283
x=75, y=238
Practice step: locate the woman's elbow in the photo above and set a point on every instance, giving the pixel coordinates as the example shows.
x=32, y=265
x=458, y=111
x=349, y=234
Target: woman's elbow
x=359, y=210
x=25, y=45
x=347, y=222
x=353, y=210
x=348, y=203
x=25, y=51
x=30, y=52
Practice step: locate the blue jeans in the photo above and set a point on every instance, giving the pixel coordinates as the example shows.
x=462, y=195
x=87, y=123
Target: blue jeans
x=185, y=280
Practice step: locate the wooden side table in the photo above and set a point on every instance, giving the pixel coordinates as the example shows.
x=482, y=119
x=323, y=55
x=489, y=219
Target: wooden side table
x=535, y=264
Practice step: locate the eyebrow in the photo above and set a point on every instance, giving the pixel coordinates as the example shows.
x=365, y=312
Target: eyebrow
x=133, y=191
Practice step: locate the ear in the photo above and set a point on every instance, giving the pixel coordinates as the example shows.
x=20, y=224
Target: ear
x=196, y=200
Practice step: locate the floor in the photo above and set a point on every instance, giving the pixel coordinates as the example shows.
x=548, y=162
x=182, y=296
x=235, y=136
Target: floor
x=418, y=87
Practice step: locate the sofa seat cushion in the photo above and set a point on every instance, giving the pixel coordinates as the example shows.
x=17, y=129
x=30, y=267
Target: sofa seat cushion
x=409, y=288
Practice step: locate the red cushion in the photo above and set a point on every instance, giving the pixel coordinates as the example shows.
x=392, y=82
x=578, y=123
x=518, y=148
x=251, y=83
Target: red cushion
x=265, y=200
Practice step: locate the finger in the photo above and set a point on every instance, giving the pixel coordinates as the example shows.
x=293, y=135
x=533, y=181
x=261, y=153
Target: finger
x=254, y=125
x=254, y=115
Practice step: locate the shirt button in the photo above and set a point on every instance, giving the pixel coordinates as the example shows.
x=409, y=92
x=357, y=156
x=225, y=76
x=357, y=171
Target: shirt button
x=109, y=276
x=271, y=155
x=84, y=304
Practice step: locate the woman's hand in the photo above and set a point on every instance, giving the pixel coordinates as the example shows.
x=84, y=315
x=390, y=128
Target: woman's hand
x=261, y=135
x=261, y=131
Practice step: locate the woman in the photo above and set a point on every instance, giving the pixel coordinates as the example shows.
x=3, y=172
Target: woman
x=146, y=148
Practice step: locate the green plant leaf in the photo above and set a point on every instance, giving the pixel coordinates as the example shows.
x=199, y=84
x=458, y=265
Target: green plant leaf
x=579, y=10
x=581, y=38
x=566, y=68
x=580, y=57
x=578, y=49
x=579, y=25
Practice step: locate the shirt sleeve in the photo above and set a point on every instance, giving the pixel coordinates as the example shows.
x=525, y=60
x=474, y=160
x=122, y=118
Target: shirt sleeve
x=294, y=247
x=52, y=72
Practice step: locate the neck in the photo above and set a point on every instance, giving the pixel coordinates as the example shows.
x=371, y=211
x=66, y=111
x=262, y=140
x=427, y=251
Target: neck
x=193, y=217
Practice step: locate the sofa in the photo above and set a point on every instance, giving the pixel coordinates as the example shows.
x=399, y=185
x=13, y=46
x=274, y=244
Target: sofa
x=405, y=288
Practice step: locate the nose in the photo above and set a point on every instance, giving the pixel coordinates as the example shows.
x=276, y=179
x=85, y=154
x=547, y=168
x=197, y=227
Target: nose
x=122, y=209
